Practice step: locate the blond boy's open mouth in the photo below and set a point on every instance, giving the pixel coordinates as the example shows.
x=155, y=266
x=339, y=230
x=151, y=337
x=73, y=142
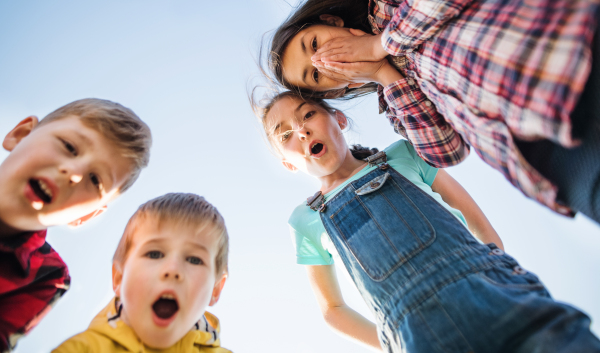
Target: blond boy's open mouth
x=165, y=307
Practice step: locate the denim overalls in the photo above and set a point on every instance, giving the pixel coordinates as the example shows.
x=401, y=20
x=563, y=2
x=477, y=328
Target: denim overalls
x=431, y=286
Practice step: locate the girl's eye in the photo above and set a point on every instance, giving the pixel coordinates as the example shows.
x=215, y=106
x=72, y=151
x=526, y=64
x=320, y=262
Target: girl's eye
x=96, y=181
x=155, y=254
x=195, y=260
x=285, y=135
x=309, y=115
x=313, y=44
x=316, y=76
x=70, y=148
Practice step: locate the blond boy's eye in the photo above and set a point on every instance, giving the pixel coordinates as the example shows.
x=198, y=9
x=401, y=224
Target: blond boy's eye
x=195, y=260
x=314, y=44
x=154, y=254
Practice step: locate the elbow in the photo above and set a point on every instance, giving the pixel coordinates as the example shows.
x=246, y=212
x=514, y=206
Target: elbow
x=331, y=315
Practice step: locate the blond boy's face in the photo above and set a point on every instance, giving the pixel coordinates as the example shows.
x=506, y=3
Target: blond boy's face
x=57, y=173
x=167, y=281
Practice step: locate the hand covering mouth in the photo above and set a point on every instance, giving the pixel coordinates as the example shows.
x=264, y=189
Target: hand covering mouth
x=41, y=190
x=316, y=148
x=165, y=307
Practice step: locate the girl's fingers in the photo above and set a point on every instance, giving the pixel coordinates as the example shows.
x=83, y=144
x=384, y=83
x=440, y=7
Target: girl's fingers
x=357, y=32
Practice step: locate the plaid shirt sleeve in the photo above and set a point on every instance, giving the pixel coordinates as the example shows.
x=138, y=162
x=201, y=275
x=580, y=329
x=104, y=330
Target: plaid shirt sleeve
x=32, y=279
x=416, y=21
x=416, y=118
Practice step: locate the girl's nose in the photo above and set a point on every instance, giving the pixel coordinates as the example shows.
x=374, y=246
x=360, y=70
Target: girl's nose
x=303, y=133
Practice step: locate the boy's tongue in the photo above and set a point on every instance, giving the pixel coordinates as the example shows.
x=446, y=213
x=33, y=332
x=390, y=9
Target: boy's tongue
x=165, y=308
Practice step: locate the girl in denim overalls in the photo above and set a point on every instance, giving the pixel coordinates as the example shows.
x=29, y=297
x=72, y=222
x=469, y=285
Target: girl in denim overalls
x=430, y=284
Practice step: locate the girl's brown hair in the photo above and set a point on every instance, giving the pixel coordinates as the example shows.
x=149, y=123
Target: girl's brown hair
x=354, y=14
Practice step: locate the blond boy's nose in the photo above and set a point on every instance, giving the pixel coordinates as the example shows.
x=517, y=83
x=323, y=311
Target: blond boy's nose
x=173, y=274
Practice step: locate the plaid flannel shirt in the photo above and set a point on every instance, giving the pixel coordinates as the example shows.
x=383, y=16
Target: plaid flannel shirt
x=493, y=69
x=32, y=278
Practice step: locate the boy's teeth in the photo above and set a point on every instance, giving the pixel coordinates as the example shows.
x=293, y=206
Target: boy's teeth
x=45, y=188
x=167, y=296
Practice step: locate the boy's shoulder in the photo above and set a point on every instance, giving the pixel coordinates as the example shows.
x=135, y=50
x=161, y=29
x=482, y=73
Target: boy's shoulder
x=31, y=281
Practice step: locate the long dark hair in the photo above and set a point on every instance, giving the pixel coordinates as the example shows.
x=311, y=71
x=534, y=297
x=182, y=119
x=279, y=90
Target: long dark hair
x=262, y=110
x=353, y=12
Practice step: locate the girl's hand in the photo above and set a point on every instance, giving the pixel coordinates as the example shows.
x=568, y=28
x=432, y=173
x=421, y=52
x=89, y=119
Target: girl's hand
x=360, y=47
x=358, y=73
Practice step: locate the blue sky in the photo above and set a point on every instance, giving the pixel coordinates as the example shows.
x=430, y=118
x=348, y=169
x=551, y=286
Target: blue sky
x=184, y=68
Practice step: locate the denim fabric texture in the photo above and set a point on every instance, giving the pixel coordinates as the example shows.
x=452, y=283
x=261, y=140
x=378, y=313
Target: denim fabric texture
x=432, y=287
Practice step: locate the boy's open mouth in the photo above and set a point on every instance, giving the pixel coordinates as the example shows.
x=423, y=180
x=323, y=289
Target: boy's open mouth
x=165, y=307
x=316, y=148
x=41, y=190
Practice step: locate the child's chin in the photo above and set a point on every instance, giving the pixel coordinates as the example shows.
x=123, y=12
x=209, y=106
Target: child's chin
x=159, y=340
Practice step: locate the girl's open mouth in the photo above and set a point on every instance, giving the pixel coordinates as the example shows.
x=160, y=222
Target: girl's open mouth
x=165, y=308
x=317, y=149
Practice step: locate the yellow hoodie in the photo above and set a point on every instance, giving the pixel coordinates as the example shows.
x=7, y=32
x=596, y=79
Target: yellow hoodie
x=108, y=333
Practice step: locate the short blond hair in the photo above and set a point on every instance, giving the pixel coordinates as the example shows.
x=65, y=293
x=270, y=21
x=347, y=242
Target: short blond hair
x=188, y=209
x=118, y=124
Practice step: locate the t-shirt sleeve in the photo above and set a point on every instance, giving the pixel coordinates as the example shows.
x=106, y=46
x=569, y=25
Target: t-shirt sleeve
x=309, y=251
x=404, y=148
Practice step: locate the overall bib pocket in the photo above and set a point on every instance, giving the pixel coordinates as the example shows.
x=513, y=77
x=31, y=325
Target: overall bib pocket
x=382, y=226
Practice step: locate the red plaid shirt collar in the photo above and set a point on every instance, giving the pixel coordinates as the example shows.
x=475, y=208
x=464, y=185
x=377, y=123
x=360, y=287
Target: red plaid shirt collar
x=23, y=246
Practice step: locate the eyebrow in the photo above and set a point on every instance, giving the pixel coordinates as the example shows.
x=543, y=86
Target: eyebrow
x=298, y=107
x=278, y=126
x=196, y=245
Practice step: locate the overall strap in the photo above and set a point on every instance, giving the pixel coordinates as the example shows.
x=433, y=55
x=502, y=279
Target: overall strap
x=317, y=201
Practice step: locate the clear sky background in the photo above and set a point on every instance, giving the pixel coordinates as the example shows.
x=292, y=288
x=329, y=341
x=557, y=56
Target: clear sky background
x=183, y=67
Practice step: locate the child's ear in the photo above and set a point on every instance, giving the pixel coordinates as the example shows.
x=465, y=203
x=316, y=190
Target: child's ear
x=341, y=119
x=216, y=294
x=117, y=278
x=332, y=20
x=81, y=220
x=289, y=166
x=356, y=85
x=22, y=129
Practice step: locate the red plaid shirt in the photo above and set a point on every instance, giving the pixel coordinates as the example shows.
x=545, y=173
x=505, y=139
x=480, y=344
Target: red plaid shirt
x=32, y=278
x=494, y=70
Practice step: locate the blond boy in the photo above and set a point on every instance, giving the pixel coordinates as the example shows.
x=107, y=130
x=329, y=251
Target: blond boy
x=170, y=264
x=63, y=169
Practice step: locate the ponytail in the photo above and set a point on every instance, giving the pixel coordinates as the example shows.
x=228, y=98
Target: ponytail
x=360, y=152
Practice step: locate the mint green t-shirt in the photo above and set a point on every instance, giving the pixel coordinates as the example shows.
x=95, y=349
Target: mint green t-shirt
x=313, y=245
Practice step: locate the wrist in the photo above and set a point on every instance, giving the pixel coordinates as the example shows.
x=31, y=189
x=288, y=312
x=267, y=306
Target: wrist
x=377, y=47
x=388, y=74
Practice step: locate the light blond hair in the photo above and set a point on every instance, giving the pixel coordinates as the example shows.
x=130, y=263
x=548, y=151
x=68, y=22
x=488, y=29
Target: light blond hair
x=118, y=124
x=189, y=209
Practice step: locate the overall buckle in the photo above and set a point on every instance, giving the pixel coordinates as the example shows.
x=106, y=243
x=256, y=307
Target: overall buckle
x=316, y=202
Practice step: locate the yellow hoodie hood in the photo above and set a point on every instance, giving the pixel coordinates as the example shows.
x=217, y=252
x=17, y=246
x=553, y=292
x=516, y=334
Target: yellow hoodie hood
x=108, y=333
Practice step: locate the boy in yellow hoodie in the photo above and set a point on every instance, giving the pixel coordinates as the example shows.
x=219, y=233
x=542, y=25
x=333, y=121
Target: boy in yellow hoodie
x=170, y=264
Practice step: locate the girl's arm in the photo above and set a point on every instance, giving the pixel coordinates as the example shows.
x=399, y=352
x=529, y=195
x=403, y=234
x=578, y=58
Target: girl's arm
x=457, y=197
x=336, y=313
x=416, y=21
